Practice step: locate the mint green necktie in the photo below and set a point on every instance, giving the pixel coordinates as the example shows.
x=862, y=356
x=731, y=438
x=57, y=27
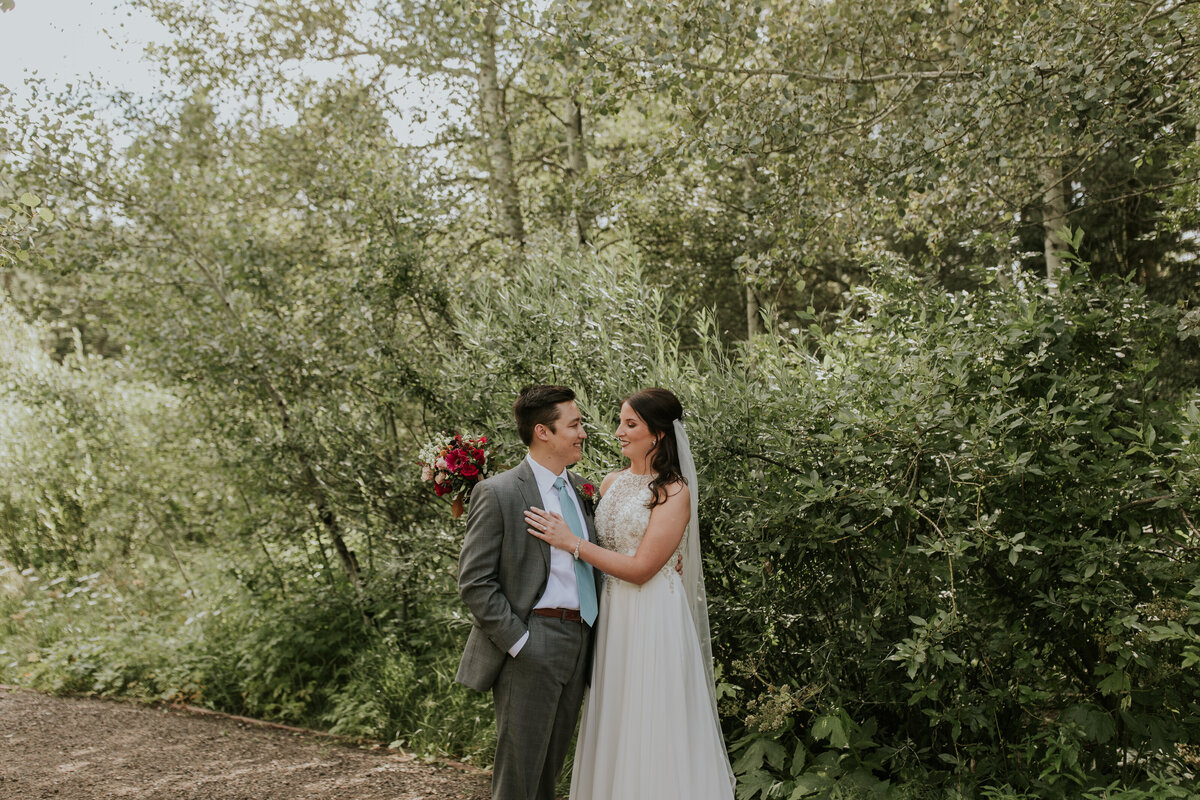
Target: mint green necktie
x=583, y=572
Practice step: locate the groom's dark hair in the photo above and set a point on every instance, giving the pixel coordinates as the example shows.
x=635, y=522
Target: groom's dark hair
x=538, y=405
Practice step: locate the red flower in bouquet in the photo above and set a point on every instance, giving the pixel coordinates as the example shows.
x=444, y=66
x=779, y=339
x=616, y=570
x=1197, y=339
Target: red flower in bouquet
x=454, y=463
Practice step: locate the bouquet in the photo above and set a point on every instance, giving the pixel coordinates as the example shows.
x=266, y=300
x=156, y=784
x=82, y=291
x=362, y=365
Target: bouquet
x=454, y=463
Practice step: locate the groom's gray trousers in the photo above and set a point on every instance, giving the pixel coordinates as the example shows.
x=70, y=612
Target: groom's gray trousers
x=537, y=696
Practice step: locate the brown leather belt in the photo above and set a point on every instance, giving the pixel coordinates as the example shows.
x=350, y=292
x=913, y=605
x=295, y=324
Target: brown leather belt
x=564, y=614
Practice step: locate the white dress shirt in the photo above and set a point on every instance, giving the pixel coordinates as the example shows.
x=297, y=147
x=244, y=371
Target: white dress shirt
x=562, y=590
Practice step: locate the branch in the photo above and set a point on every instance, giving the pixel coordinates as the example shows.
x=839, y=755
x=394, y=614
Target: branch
x=1158, y=187
x=1157, y=12
x=1145, y=501
x=819, y=77
x=1189, y=522
x=767, y=459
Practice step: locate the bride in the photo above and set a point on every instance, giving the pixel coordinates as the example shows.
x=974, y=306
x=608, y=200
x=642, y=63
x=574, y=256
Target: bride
x=649, y=727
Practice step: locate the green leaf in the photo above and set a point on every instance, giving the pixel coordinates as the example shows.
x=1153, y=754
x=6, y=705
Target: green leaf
x=1096, y=723
x=810, y=784
x=1116, y=682
x=760, y=751
x=799, y=758
x=831, y=727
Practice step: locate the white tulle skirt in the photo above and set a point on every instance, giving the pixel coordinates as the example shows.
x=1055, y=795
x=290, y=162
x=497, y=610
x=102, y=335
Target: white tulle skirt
x=649, y=731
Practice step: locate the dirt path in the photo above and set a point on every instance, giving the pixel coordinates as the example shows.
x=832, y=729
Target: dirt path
x=82, y=749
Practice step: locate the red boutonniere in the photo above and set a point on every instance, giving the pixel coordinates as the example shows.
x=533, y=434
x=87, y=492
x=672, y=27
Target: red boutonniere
x=588, y=494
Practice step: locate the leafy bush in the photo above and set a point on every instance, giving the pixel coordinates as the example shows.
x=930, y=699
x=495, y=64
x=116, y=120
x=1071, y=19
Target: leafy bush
x=311, y=661
x=96, y=459
x=950, y=541
x=954, y=535
x=950, y=544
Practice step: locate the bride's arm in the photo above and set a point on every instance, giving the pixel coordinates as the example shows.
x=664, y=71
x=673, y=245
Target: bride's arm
x=667, y=523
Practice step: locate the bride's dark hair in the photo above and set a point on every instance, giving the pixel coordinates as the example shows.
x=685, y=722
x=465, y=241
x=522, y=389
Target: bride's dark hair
x=659, y=409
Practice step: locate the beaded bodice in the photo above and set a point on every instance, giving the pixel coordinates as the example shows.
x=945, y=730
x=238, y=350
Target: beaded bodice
x=622, y=516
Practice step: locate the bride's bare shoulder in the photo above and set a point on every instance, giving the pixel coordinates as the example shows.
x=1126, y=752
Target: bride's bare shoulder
x=677, y=488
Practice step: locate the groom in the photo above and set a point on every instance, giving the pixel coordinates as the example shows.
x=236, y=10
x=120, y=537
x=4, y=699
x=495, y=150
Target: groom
x=534, y=607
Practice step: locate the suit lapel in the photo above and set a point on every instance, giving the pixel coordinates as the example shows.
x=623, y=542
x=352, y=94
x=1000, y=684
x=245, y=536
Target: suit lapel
x=532, y=497
x=588, y=516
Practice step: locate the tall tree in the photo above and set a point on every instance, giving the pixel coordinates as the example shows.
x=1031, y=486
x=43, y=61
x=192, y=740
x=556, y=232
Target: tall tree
x=911, y=127
x=485, y=64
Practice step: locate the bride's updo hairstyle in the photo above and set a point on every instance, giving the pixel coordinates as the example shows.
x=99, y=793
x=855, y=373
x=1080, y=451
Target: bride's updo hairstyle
x=659, y=409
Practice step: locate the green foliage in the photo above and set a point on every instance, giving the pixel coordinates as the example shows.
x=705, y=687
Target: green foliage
x=952, y=535
x=196, y=585
x=948, y=543
x=772, y=142
x=141, y=632
x=20, y=218
x=94, y=457
x=402, y=691
x=960, y=526
x=591, y=323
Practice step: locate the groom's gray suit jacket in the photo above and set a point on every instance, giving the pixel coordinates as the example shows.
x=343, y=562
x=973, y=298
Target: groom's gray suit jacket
x=502, y=570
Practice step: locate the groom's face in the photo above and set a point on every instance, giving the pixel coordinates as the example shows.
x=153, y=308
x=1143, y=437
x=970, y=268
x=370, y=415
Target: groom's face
x=565, y=437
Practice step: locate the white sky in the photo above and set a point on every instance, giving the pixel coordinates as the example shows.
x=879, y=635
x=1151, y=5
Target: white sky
x=65, y=40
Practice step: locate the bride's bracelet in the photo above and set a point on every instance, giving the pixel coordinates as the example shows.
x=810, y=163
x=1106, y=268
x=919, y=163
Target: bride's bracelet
x=576, y=553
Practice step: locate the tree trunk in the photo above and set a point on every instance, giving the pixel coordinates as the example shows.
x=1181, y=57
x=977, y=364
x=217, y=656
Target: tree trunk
x=316, y=491
x=502, y=174
x=1054, y=217
x=1150, y=271
x=753, y=320
x=577, y=164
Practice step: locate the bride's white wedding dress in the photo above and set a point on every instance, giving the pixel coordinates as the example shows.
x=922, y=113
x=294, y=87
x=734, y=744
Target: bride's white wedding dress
x=649, y=729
